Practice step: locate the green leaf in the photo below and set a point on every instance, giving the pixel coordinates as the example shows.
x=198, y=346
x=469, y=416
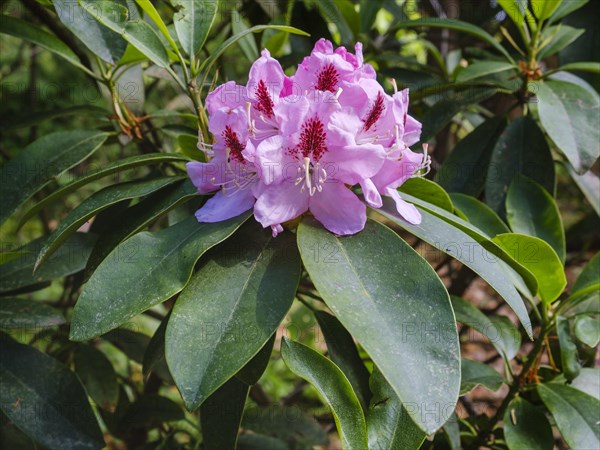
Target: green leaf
x=34, y=118
x=137, y=32
x=531, y=210
x=568, y=350
x=479, y=214
x=343, y=352
x=255, y=441
x=450, y=239
x=589, y=184
x=360, y=273
x=132, y=343
x=208, y=62
x=543, y=9
x=23, y=313
x=558, y=37
x=247, y=43
x=543, y=262
x=139, y=216
x=103, y=42
x=45, y=400
x=389, y=424
x=154, y=355
x=568, y=112
x=103, y=171
x=150, y=410
x=480, y=69
x=588, y=381
x=93, y=205
x=8, y=256
x=153, y=14
x=220, y=425
x=70, y=258
x=144, y=271
x=251, y=372
x=526, y=427
x=330, y=11
x=41, y=161
x=452, y=430
x=31, y=33
x=98, y=376
x=368, y=13
x=303, y=432
x=440, y=114
x=193, y=20
x=230, y=309
x=587, y=330
x=475, y=373
x=521, y=149
x=576, y=414
x=335, y=389
x=516, y=10
x=503, y=335
x=458, y=25
x=566, y=8
x=428, y=191
x=464, y=170
x=589, y=276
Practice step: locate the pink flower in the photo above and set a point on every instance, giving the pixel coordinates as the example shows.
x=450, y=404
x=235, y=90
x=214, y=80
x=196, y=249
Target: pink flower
x=288, y=145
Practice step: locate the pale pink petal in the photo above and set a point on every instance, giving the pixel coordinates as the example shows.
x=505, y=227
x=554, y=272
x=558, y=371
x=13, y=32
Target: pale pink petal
x=339, y=209
x=407, y=210
x=205, y=176
x=280, y=203
x=276, y=229
x=353, y=164
x=372, y=196
x=222, y=207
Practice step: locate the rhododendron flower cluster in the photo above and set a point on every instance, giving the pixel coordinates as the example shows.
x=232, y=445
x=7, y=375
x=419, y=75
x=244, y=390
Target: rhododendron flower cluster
x=290, y=145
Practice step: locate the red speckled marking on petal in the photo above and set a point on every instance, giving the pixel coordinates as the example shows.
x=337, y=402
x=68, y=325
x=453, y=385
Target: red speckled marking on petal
x=232, y=141
x=312, y=139
x=328, y=79
x=375, y=112
x=265, y=104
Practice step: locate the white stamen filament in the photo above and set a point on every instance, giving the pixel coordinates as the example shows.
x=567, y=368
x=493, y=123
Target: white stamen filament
x=311, y=177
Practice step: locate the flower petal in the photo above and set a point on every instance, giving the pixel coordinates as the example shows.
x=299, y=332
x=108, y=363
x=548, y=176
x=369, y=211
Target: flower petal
x=407, y=210
x=279, y=203
x=339, y=209
x=222, y=207
x=371, y=194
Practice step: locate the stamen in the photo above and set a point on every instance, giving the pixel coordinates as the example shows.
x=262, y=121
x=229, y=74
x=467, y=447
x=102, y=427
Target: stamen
x=393, y=81
x=338, y=93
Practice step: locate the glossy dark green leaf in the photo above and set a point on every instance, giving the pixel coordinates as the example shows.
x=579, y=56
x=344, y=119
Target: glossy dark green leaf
x=475, y=373
x=557, y=38
x=588, y=381
x=34, y=118
x=526, y=427
x=576, y=414
x=142, y=272
x=9, y=256
x=541, y=260
x=464, y=170
x=335, y=389
x=440, y=114
x=480, y=69
x=137, y=32
x=101, y=172
x=221, y=415
x=251, y=372
x=230, y=309
x=70, y=258
x=139, y=216
x=154, y=355
x=42, y=160
x=45, y=400
x=586, y=329
x=589, y=276
x=386, y=296
x=31, y=33
x=98, y=376
x=389, y=424
x=287, y=425
x=23, y=313
x=568, y=350
x=428, y=191
x=132, y=343
x=452, y=430
x=531, y=210
x=566, y=8
x=521, y=149
x=343, y=352
x=568, y=112
x=458, y=25
x=456, y=243
x=93, y=205
x=479, y=214
x=103, y=42
x=502, y=334
x=193, y=20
